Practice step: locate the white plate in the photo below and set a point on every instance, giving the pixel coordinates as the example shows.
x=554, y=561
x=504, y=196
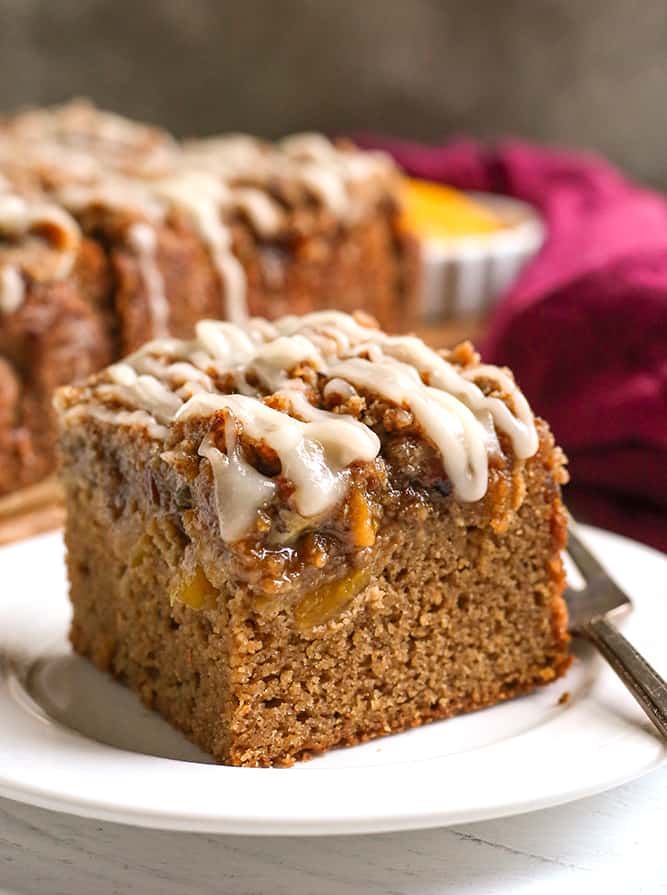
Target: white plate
x=73, y=740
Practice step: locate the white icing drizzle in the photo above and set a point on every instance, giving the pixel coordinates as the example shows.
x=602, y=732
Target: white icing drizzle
x=262, y=212
x=184, y=373
x=261, y=330
x=14, y=216
x=12, y=289
x=186, y=379
x=78, y=141
x=233, y=156
x=171, y=379
x=272, y=359
x=445, y=377
x=333, y=175
x=328, y=186
x=339, y=387
x=227, y=344
x=200, y=196
x=309, y=145
x=344, y=439
x=313, y=454
x=115, y=417
x=143, y=240
x=329, y=328
x=320, y=170
x=146, y=391
x=448, y=423
x=21, y=217
x=114, y=193
x=240, y=490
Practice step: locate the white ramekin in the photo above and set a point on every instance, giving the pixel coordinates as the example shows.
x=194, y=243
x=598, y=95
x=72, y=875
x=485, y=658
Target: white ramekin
x=466, y=275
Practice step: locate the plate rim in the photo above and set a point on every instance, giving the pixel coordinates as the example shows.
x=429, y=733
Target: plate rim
x=356, y=822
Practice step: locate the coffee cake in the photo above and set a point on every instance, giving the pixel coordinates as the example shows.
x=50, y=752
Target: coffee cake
x=295, y=535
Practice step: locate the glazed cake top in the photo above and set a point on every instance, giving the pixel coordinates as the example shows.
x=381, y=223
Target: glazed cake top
x=288, y=385
x=59, y=165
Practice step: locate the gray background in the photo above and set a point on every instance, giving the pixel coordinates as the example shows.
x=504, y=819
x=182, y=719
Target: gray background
x=587, y=73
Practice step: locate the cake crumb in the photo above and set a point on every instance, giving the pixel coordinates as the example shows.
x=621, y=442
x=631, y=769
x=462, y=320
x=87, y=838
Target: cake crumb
x=564, y=698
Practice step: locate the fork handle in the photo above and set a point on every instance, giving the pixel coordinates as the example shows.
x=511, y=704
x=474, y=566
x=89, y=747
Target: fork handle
x=643, y=681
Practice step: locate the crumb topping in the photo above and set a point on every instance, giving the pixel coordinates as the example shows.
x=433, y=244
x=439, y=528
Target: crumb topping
x=289, y=410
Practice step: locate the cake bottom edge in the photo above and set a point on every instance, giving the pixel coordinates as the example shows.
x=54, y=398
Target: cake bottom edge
x=409, y=716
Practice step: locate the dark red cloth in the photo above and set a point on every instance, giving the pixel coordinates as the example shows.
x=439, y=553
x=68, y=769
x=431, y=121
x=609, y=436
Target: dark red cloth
x=585, y=327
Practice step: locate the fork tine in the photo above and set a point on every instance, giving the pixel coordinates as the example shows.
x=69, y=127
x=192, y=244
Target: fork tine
x=583, y=558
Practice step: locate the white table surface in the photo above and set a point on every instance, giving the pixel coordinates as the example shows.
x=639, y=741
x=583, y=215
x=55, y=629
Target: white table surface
x=616, y=842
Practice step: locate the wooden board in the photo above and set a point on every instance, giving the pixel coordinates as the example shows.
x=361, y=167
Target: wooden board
x=39, y=508
x=31, y=511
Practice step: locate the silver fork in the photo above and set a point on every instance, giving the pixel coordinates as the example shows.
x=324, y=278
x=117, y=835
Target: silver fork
x=591, y=611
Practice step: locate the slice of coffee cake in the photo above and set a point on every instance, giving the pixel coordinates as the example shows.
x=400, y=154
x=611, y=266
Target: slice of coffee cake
x=294, y=535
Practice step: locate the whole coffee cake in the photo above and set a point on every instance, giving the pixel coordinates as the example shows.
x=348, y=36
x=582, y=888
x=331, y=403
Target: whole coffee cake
x=296, y=535
x=113, y=233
